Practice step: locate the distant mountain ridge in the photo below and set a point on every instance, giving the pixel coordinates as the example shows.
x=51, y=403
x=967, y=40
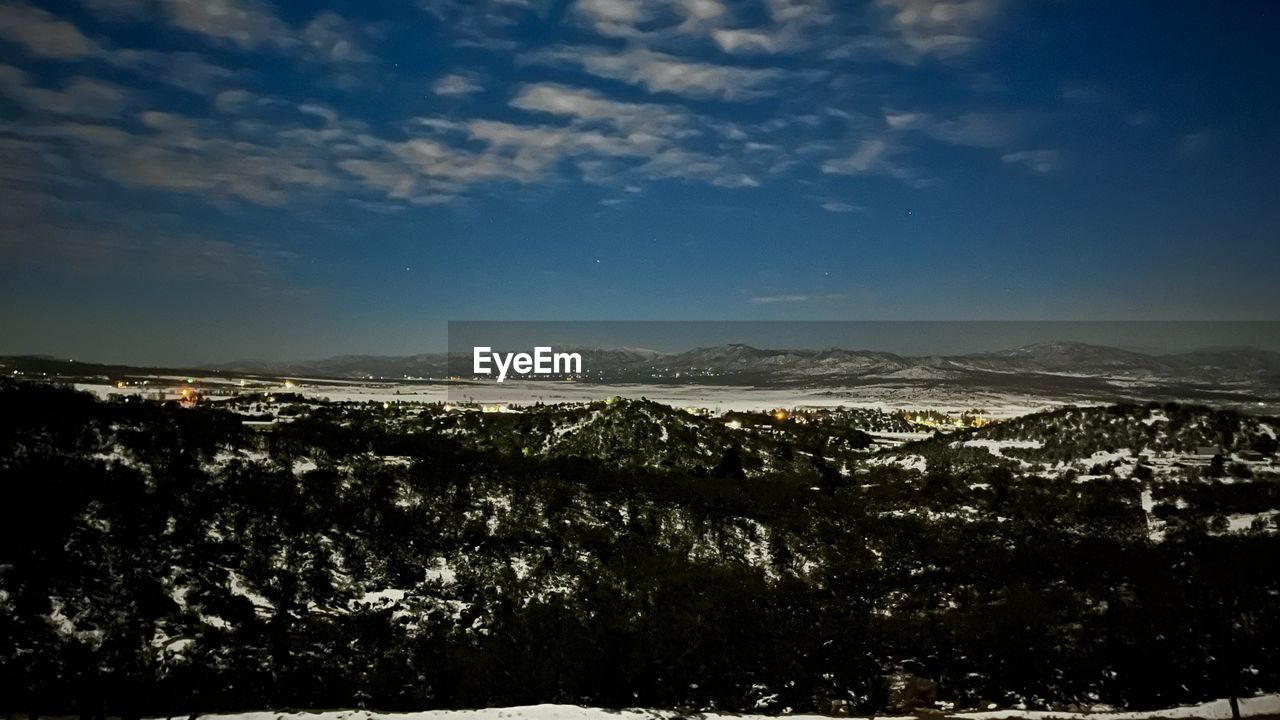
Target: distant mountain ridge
x=1061, y=363
x=742, y=360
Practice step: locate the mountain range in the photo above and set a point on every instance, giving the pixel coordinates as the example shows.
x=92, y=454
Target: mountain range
x=1060, y=364
x=744, y=362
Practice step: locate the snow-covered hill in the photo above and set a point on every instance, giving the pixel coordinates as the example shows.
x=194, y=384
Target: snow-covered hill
x=1256, y=707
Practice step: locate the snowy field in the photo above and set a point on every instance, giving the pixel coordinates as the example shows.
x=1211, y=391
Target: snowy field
x=714, y=398
x=1262, y=706
x=726, y=398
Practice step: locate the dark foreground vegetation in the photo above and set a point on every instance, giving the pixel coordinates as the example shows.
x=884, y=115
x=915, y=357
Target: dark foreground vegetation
x=160, y=560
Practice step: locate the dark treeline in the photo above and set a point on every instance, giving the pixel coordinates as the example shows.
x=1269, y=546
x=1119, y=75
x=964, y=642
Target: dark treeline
x=161, y=560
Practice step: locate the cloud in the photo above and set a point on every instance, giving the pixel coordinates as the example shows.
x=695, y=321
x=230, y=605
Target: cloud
x=870, y=156
x=324, y=112
x=117, y=9
x=612, y=17
x=330, y=37
x=79, y=97
x=639, y=120
x=777, y=299
x=905, y=31
x=1141, y=118
x=1081, y=93
x=747, y=41
x=662, y=73
x=483, y=25
x=247, y=23
x=794, y=25
x=669, y=23
x=973, y=129
x=268, y=150
x=186, y=70
x=234, y=100
x=396, y=181
x=258, y=176
x=1198, y=144
x=253, y=25
x=578, y=134
x=1041, y=161
x=42, y=34
x=687, y=165
x=942, y=28
x=437, y=170
x=666, y=135
x=652, y=19
x=877, y=156
x=839, y=206
x=456, y=84
x=257, y=162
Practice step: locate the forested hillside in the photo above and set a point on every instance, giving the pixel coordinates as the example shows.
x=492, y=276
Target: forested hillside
x=163, y=560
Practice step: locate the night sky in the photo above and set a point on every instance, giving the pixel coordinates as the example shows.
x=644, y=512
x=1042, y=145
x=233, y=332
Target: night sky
x=193, y=181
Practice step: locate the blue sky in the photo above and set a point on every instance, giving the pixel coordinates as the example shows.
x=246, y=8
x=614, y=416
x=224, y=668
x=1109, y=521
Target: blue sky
x=188, y=181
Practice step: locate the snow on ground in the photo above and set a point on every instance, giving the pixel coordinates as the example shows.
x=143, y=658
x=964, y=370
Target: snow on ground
x=907, y=462
x=888, y=396
x=1215, y=710
x=720, y=399
x=1155, y=526
x=261, y=605
x=441, y=572
x=1243, y=522
x=117, y=455
x=900, y=437
x=1103, y=457
x=381, y=598
x=996, y=446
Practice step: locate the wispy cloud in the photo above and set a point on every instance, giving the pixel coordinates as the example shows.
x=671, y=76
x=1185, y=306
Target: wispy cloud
x=876, y=155
x=182, y=154
x=1079, y=92
x=457, y=84
x=43, y=35
x=608, y=142
x=79, y=97
x=941, y=28
x=663, y=106
x=776, y=299
x=975, y=128
x=1041, y=161
x=840, y=206
x=652, y=19
x=254, y=25
x=117, y=9
x=1198, y=143
x=662, y=73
